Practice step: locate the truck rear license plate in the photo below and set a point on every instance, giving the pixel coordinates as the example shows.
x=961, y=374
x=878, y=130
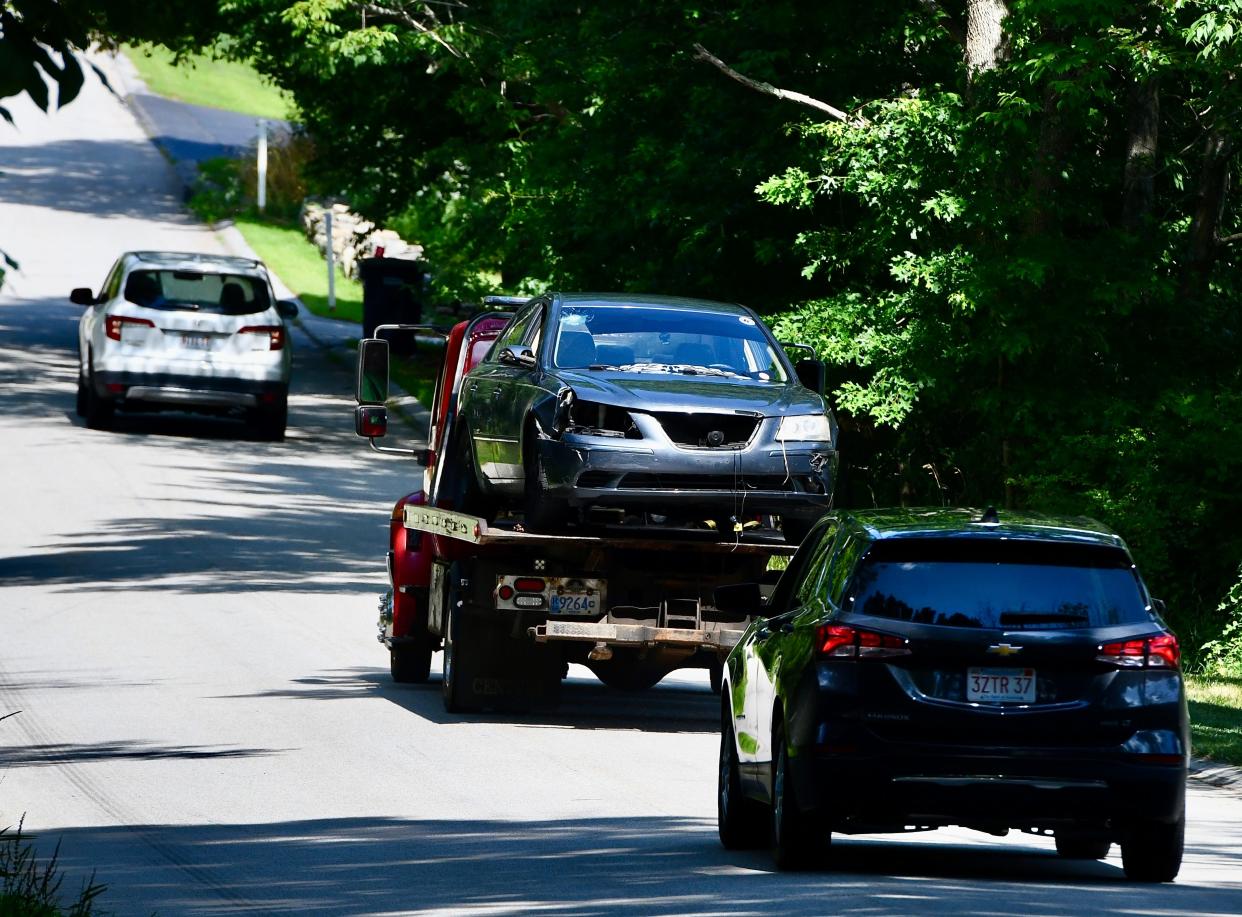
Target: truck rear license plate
x=993, y=686
x=555, y=595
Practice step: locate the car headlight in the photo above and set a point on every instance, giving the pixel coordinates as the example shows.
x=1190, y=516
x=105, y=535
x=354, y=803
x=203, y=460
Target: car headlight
x=805, y=428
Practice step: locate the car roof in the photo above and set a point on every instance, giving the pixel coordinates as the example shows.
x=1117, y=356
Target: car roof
x=940, y=522
x=193, y=260
x=638, y=299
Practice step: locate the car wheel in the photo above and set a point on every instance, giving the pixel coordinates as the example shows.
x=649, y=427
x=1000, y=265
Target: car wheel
x=98, y=411
x=1082, y=847
x=795, y=839
x=541, y=512
x=1153, y=852
x=739, y=819
x=410, y=662
x=461, y=656
x=270, y=423
x=80, y=406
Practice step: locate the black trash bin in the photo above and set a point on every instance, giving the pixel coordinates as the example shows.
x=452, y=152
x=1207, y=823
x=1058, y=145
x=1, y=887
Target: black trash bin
x=392, y=293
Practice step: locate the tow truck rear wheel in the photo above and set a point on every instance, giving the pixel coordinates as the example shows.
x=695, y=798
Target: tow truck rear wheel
x=410, y=662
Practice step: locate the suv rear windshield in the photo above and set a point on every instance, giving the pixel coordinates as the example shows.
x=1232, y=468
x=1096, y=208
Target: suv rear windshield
x=1003, y=584
x=222, y=294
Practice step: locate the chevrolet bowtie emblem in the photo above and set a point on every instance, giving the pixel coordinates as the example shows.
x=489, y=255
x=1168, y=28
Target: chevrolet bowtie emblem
x=1004, y=649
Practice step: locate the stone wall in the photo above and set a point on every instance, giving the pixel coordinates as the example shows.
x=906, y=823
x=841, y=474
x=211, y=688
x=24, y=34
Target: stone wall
x=354, y=237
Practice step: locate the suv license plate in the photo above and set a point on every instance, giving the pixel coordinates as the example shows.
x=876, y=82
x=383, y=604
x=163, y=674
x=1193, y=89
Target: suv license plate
x=196, y=341
x=992, y=686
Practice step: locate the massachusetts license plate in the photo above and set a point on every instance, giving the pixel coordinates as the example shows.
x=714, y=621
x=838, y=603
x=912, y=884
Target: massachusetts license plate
x=992, y=686
x=196, y=341
x=573, y=603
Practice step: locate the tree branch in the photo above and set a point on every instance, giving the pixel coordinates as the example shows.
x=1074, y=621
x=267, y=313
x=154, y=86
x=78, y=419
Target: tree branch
x=1230, y=239
x=401, y=17
x=950, y=25
x=788, y=95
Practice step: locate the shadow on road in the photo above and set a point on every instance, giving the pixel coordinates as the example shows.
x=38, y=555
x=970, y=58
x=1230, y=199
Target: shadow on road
x=675, y=707
x=626, y=866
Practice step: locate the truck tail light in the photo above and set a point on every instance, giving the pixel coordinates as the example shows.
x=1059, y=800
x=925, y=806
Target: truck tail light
x=114, y=323
x=1160, y=651
x=529, y=584
x=275, y=335
x=840, y=641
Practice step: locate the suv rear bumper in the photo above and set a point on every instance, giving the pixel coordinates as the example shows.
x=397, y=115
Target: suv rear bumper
x=1014, y=789
x=173, y=390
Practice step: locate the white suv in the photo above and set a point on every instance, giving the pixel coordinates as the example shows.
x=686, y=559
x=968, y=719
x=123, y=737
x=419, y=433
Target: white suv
x=185, y=332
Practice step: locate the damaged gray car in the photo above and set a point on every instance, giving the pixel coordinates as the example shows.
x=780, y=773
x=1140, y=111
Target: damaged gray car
x=646, y=410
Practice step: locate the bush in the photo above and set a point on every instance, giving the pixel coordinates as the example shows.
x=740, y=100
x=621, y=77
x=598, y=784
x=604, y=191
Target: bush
x=1223, y=656
x=29, y=888
x=226, y=187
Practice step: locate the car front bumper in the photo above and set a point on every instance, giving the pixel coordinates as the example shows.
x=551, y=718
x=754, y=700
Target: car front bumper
x=592, y=470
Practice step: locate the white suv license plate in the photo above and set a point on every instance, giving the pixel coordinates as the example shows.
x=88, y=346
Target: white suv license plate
x=196, y=341
x=1000, y=686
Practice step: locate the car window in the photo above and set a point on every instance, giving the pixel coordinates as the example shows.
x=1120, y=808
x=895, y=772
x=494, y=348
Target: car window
x=666, y=340
x=198, y=291
x=1004, y=584
x=112, y=285
x=515, y=334
x=811, y=545
x=820, y=566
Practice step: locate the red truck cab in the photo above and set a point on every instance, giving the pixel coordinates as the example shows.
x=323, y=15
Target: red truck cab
x=403, y=613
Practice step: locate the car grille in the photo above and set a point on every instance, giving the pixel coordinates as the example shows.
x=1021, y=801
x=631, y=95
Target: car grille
x=696, y=430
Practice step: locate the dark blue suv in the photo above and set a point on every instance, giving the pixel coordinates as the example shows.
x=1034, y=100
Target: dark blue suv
x=921, y=668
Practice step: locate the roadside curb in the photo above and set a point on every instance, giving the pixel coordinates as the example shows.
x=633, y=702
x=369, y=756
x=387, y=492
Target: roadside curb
x=1214, y=774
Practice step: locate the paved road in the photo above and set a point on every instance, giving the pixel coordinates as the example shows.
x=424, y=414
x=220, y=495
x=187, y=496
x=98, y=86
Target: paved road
x=186, y=624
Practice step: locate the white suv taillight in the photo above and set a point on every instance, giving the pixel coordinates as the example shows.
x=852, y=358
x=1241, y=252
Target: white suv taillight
x=275, y=336
x=1160, y=651
x=114, y=324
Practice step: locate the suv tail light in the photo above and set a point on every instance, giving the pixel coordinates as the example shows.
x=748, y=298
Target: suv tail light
x=114, y=323
x=275, y=335
x=843, y=641
x=1160, y=651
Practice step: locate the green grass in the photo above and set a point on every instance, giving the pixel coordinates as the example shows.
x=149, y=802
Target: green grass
x=298, y=263
x=201, y=80
x=1216, y=717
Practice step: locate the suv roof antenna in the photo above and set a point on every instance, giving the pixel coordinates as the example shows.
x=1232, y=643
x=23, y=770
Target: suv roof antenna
x=990, y=516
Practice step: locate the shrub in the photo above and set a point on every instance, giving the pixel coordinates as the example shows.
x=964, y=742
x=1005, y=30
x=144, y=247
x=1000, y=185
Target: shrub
x=1223, y=656
x=29, y=888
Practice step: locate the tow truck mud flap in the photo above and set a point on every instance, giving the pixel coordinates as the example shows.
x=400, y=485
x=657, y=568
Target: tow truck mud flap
x=634, y=634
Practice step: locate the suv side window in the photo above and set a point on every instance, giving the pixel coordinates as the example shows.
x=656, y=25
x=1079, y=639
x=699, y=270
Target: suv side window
x=811, y=545
x=843, y=569
x=112, y=286
x=819, y=570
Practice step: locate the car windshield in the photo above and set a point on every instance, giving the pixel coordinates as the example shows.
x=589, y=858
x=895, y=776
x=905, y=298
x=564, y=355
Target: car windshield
x=652, y=339
x=1007, y=585
x=222, y=294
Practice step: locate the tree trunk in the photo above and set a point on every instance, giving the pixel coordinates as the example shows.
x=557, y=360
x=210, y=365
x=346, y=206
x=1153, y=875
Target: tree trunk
x=985, y=35
x=1213, y=185
x=1144, y=131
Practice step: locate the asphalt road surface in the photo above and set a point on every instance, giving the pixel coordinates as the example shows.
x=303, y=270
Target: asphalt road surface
x=187, y=627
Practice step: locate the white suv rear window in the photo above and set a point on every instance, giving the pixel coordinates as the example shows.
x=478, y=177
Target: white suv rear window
x=222, y=294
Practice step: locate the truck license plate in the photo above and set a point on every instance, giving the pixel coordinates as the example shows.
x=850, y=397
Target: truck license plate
x=574, y=603
x=992, y=686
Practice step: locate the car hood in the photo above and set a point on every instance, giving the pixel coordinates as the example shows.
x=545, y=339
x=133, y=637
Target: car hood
x=714, y=394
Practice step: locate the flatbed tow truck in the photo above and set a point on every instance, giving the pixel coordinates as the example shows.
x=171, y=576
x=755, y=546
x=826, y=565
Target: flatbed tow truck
x=512, y=609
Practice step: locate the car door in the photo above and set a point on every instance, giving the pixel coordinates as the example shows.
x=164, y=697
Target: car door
x=768, y=644
x=487, y=394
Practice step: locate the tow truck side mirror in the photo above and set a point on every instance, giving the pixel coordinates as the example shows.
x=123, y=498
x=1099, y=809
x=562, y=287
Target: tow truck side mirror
x=812, y=374
x=739, y=599
x=371, y=387
x=82, y=296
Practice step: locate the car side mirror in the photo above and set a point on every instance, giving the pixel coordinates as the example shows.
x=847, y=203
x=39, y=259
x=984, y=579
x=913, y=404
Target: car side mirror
x=371, y=387
x=1160, y=608
x=82, y=296
x=287, y=308
x=371, y=420
x=738, y=598
x=525, y=358
x=812, y=374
